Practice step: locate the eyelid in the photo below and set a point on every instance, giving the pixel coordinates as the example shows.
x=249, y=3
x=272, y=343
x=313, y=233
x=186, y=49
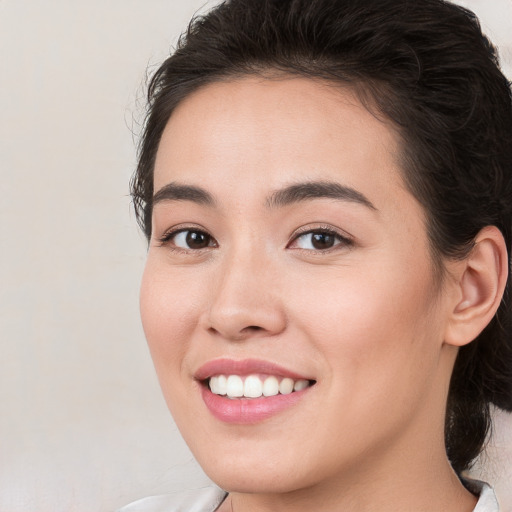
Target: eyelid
x=170, y=233
x=346, y=239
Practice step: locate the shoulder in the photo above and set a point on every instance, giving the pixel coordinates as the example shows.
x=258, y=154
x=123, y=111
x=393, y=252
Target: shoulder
x=203, y=500
x=487, y=501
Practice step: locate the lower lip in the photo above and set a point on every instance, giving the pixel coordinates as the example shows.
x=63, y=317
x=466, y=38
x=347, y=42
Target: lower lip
x=249, y=410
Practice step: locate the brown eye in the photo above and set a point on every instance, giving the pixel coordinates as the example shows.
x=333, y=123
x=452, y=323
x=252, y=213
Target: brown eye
x=190, y=239
x=322, y=240
x=197, y=239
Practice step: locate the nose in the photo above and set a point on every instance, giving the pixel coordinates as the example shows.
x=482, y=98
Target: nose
x=245, y=301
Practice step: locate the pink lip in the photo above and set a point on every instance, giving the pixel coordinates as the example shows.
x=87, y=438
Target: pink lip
x=242, y=410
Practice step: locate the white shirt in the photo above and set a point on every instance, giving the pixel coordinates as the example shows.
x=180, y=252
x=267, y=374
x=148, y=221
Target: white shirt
x=209, y=499
x=487, y=501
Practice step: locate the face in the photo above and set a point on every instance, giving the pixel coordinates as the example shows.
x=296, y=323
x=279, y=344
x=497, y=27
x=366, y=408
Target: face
x=287, y=254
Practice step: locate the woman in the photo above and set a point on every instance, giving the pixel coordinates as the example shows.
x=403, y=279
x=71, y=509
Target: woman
x=326, y=187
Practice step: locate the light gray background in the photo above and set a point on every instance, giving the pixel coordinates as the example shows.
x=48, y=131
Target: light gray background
x=83, y=426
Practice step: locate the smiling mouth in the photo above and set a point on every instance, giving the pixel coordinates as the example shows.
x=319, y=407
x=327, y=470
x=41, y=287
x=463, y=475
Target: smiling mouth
x=254, y=386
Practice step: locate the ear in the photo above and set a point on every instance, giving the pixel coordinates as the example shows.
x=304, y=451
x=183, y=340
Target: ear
x=480, y=282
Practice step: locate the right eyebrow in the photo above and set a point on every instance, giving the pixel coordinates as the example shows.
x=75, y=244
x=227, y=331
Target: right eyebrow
x=176, y=192
x=317, y=190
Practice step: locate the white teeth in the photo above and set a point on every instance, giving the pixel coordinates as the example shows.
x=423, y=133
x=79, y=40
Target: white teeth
x=271, y=386
x=252, y=386
x=235, y=386
x=218, y=385
x=300, y=385
x=286, y=386
x=222, y=385
x=214, y=387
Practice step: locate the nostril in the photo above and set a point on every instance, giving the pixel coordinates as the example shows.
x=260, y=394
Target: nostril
x=252, y=328
x=242, y=334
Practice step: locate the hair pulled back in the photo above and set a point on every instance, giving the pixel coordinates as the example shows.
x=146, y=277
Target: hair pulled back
x=426, y=67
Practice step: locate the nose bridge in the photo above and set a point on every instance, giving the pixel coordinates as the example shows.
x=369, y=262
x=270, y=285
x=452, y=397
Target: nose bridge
x=244, y=301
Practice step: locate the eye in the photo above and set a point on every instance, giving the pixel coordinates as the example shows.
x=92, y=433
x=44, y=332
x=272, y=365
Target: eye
x=189, y=239
x=319, y=240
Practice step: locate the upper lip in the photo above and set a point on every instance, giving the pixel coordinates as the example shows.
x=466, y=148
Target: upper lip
x=244, y=367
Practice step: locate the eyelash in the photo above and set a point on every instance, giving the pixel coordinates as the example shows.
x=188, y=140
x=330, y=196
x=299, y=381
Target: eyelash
x=168, y=236
x=343, y=240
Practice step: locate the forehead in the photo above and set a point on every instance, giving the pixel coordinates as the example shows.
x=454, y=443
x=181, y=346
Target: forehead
x=256, y=133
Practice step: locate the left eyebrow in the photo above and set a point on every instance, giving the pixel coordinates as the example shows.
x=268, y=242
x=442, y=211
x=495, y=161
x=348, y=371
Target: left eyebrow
x=179, y=192
x=317, y=190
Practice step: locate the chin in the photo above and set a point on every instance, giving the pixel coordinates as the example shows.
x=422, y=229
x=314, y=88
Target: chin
x=256, y=480
x=274, y=468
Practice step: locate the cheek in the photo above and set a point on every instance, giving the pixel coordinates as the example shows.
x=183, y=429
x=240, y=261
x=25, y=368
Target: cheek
x=374, y=334
x=168, y=315
x=369, y=323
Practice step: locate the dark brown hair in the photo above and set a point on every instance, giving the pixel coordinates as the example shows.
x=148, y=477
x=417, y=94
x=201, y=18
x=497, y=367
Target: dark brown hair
x=427, y=67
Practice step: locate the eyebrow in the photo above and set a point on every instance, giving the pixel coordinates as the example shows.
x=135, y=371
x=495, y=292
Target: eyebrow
x=177, y=192
x=292, y=194
x=317, y=190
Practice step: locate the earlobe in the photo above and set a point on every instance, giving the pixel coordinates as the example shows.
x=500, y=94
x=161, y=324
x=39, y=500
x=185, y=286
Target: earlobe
x=481, y=280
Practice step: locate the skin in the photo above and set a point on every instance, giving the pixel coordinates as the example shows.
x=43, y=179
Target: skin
x=368, y=320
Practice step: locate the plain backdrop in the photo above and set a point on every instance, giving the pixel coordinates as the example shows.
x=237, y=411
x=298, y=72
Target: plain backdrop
x=83, y=426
